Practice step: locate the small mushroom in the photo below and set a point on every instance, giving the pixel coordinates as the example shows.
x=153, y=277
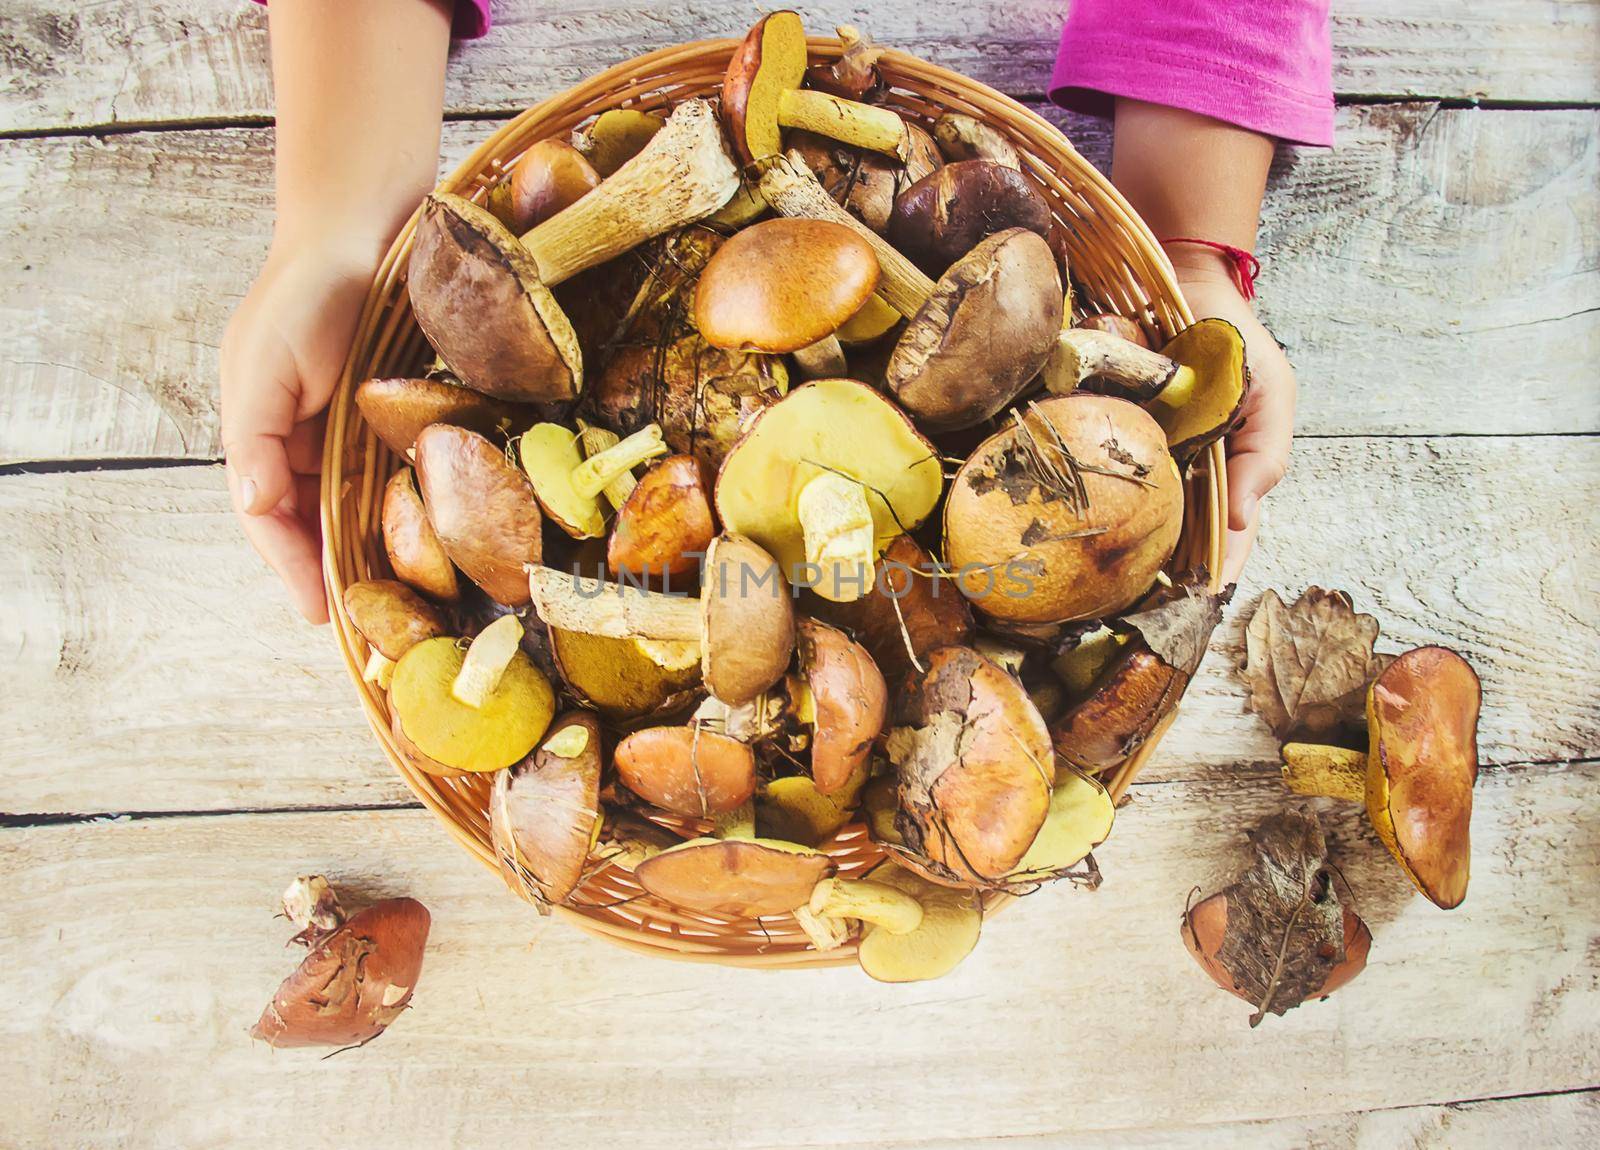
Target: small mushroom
x=761, y=95
x=865, y=183
x=398, y=409
x=783, y=285
x=567, y=485
x=687, y=770
x=617, y=136
x=1195, y=386
x=544, y=812
x=482, y=295
x=483, y=510
x=413, y=548
x=665, y=525
x=1069, y=513
x=550, y=176
x=977, y=337
x=475, y=710
x=1205, y=933
x=1417, y=774
x=358, y=975
x=854, y=75
x=618, y=678
x=975, y=768
x=793, y=809
x=743, y=622
x=944, y=215
x=915, y=610
x=392, y=618
x=943, y=935
x=962, y=137
x=824, y=479
x=843, y=698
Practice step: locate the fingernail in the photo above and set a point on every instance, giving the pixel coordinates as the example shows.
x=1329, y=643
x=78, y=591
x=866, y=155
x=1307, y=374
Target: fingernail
x=247, y=493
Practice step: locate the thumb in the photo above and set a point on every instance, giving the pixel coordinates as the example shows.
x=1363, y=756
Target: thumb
x=259, y=406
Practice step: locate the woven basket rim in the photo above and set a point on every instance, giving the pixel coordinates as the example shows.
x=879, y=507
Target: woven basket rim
x=350, y=494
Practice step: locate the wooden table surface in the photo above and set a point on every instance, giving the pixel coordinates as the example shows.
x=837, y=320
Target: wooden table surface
x=174, y=745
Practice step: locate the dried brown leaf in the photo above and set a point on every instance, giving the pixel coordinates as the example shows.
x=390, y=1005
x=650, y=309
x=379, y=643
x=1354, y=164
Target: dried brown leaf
x=1308, y=664
x=1179, y=629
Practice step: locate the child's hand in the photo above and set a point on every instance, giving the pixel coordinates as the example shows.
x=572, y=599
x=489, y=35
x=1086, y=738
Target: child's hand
x=1258, y=451
x=281, y=357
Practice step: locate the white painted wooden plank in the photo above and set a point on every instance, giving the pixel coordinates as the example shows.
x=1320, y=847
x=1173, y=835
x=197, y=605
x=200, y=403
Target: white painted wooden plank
x=138, y=953
x=104, y=64
x=1438, y=273
x=151, y=662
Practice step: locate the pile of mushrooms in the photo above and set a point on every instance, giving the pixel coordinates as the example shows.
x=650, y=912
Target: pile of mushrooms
x=767, y=482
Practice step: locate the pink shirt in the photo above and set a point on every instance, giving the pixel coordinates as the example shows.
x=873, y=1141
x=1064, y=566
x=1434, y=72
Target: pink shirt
x=1266, y=65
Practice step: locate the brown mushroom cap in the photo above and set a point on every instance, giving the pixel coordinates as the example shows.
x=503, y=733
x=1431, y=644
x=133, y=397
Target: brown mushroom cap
x=391, y=616
x=962, y=137
x=747, y=878
x=948, y=212
x=482, y=508
x=413, y=548
x=1028, y=548
x=783, y=284
x=665, y=525
x=687, y=770
x=545, y=810
x=865, y=183
x=909, y=613
x=975, y=768
x=550, y=176
x=1205, y=929
x=398, y=409
x=765, y=64
x=850, y=700
x=989, y=327
x=747, y=620
x=1118, y=325
x=1121, y=712
x=1422, y=716
x=834, y=426
x=353, y=983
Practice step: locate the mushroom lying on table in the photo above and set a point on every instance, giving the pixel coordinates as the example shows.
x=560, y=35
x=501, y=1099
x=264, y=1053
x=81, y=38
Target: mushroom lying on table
x=824, y=479
x=482, y=508
x=482, y=295
x=1069, y=513
x=1417, y=774
x=392, y=618
x=977, y=337
x=761, y=95
x=742, y=624
x=1195, y=386
x=785, y=286
x=544, y=812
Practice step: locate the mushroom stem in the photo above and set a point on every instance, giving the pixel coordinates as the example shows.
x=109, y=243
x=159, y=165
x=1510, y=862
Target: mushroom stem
x=1332, y=772
x=670, y=654
x=487, y=659
x=683, y=173
x=593, y=441
x=1084, y=352
x=822, y=360
x=612, y=610
x=840, y=539
x=379, y=669
x=847, y=121
x=792, y=190
x=739, y=823
x=311, y=905
x=884, y=906
x=824, y=931
x=599, y=471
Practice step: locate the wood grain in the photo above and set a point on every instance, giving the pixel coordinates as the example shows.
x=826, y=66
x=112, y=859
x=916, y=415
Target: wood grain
x=140, y=952
x=152, y=663
x=113, y=316
x=186, y=60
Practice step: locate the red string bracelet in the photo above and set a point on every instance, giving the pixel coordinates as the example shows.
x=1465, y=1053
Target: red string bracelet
x=1244, y=265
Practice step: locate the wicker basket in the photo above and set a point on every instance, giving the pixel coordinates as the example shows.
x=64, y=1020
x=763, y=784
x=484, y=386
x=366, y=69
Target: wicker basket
x=1114, y=258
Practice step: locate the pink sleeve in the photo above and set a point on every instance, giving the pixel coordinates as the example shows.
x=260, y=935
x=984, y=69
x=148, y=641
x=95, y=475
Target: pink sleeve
x=1266, y=65
x=471, y=19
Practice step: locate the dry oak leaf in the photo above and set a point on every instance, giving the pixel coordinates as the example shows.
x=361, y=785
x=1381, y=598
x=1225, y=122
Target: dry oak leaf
x=1308, y=664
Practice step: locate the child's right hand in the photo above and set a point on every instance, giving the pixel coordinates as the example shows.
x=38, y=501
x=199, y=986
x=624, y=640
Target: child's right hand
x=281, y=357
